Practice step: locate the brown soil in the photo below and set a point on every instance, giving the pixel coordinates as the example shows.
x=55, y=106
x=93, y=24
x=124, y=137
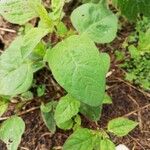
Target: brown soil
x=128, y=101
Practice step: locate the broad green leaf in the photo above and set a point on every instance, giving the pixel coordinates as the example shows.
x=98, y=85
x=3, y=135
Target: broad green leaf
x=66, y=109
x=11, y=131
x=106, y=144
x=11, y=57
x=3, y=105
x=132, y=8
x=81, y=139
x=107, y=99
x=121, y=126
x=92, y=113
x=16, y=81
x=17, y=11
x=95, y=21
x=31, y=40
x=79, y=70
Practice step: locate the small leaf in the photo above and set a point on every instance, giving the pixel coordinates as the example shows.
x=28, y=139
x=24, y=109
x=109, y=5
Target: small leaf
x=81, y=139
x=66, y=125
x=47, y=111
x=121, y=126
x=106, y=144
x=3, y=106
x=17, y=11
x=45, y=19
x=27, y=96
x=41, y=90
x=46, y=107
x=92, y=113
x=95, y=21
x=66, y=109
x=107, y=99
x=80, y=70
x=31, y=40
x=11, y=131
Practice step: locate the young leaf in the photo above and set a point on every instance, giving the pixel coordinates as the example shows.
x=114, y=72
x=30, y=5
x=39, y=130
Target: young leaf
x=66, y=109
x=47, y=111
x=11, y=131
x=66, y=125
x=121, y=126
x=92, y=113
x=79, y=70
x=43, y=14
x=107, y=99
x=106, y=144
x=81, y=139
x=95, y=21
x=31, y=40
x=3, y=105
x=17, y=11
x=16, y=81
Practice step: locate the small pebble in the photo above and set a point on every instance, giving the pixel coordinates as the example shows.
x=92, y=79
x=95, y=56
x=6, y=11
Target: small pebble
x=121, y=147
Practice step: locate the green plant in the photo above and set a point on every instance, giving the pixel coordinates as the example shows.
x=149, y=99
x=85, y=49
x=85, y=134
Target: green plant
x=132, y=9
x=75, y=63
x=138, y=65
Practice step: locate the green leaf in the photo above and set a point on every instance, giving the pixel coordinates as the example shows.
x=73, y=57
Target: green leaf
x=27, y=96
x=66, y=109
x=132, y=8
x=31, y=40
x=17, y=11
x=92, y=113
x=80, y=69
x=106, y=144
x=16, y=81
x=11, y=131
x=43, y=14
x=47, y=111
x=46, y=107
x=105, y=60
x=81, y=139
x=57, y=8
x=3, y=105
x=95, y=21
x=66, y=125
x=144, y=41
x=11, y=58
x=107, y=99
x=41, y=90
x=121, y=126
x=61, y=29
